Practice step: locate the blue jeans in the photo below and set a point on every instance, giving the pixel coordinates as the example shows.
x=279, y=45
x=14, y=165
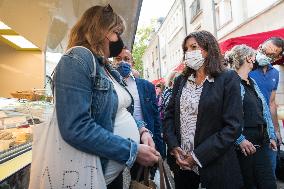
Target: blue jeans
x=272, y=156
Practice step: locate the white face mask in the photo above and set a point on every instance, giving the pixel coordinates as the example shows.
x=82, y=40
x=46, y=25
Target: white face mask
x=194, y=59
x=262, y=59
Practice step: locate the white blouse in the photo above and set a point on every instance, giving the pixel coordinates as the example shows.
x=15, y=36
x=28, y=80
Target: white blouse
x=124, y=126
x=189, y=102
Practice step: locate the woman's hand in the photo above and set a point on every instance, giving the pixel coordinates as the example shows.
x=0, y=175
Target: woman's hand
x=191, y=162
x=273, y=145
x=146, y=137
x=180, y=156
x=147, y=155
x=247, y=147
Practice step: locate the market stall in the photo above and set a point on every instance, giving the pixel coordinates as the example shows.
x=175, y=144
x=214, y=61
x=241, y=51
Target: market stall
x=17, y=118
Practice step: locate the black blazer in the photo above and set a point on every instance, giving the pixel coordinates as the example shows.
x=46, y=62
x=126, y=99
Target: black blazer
x=218, y=126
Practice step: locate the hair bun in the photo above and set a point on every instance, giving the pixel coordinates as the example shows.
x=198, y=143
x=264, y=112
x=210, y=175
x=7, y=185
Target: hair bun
x=237, y=56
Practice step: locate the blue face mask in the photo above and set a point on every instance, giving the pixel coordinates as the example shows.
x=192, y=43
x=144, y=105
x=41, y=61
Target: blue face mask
x=262, y=59
x=124, y=69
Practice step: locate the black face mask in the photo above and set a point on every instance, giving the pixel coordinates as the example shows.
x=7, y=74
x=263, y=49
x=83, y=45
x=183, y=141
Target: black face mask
x=116, y=47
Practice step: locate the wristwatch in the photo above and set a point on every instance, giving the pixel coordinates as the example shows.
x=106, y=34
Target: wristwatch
x=148, y=131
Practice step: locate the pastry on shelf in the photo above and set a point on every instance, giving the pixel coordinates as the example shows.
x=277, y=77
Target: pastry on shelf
x=6, y=135
x=22, y=135
x=3, y=114
x=32, y=95
x=6, y=144
x=16, y=120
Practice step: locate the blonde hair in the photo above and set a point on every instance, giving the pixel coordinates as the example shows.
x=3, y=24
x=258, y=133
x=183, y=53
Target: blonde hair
x=236, y=57
x=91, y=28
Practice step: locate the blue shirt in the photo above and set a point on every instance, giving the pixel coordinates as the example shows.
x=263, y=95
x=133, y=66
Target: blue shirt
x=267, y=82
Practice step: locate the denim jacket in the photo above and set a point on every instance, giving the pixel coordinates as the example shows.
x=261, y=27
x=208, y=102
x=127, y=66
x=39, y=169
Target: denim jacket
x=86, y=105
x=266, y=114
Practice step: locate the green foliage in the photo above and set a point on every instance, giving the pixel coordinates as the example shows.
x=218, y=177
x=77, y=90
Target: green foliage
x=140, y=45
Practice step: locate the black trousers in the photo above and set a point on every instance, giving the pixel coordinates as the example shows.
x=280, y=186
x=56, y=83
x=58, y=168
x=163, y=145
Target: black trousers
x=186, y=179
x=257, y=170
x=117, y=183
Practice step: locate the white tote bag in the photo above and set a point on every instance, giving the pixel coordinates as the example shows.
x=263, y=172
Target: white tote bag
x=56, y=164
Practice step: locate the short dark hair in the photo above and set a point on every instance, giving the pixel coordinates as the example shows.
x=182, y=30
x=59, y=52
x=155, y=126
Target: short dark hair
x=214, y=61
x=159, y=85
x=278, y=42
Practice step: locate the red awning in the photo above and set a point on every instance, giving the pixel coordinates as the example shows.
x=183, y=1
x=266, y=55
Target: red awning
x=161, y=80
x=253, y=40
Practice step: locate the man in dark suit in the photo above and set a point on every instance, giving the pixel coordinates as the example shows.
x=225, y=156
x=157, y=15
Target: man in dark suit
x=144, y=96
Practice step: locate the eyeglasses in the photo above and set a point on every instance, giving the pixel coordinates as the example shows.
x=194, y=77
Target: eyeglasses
x=273, y=56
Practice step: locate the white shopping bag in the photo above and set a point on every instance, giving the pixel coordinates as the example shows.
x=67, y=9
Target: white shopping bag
x=56, y=164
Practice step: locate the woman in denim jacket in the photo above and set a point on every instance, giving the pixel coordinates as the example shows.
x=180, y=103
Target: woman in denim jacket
x=258, y=129
x=93, y=107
